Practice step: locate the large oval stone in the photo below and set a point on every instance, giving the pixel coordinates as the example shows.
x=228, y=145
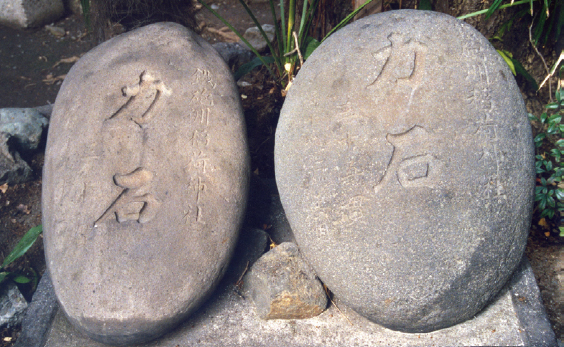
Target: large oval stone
x=404, y=160
x=145, y=183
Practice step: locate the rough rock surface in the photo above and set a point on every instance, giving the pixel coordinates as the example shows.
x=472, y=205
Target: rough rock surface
x=13, y=169
x=12, y=304
x=30, y=13
x=145, y=183
x=24, y=125
x=233, y=54
x=283, y=286
x=256, y=39
x=404, y=160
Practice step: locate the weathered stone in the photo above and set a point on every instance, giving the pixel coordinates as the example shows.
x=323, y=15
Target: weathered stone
x=404, y=160
x=255, y=38
x=13, y=169
x=283, y=286
x=56, y=31
x=12, y=305
x=145, y=182
x=30, y=13
x=25, y=125
x=233, y=54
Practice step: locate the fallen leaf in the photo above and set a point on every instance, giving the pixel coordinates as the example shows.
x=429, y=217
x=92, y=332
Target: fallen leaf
x=4, y=188
x=7, y=339
x=69, y=60
x=543, y=223
x=55, y=31
x=547, y=234
x=49, y=79
x=224, y=32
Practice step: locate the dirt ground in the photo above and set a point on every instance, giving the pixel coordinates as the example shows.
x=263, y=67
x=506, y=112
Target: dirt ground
x=33, y=64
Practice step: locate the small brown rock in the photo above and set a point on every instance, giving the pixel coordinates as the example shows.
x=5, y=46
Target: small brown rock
x=283, y=286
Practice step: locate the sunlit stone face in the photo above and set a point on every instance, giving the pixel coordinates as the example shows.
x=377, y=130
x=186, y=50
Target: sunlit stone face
x=404, y=162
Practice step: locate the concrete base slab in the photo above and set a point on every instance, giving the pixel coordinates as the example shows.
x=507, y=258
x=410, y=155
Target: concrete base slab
x=516, y=318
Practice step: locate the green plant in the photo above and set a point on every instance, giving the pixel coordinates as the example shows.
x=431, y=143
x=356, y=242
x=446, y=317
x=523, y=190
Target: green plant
x=293, y=43
x=21, y=248
x=549, y=143
x=548, y=20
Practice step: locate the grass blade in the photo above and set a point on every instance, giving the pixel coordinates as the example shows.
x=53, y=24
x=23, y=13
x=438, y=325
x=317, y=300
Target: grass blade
x=259, y=26
x=238, y=34
x=248, y=67
x=290, y=28
x=277, y=28
x=477, y=13
x=25, y=243
x=346, y=20
x=495, y=6
x=283, y=27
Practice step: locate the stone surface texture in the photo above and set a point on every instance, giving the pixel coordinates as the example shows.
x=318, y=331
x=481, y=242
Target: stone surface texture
x=404, y=160
x=145, y=183
x=30, y=13
x=12, y=305
x=38, y=317
x=24, y=125
x=229, y=320
x=256, y=39
x=233, y=54
x=283, y=286
x=13, y=169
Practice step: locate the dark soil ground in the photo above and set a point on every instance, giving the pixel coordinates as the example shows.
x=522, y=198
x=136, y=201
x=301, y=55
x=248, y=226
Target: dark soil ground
x=33, y=64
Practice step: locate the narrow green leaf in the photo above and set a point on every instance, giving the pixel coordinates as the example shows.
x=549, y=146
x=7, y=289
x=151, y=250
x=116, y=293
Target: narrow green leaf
x=477, y=13
x=3, y=276
x=21, y=279
x=532, y=117
x=561, y=231
x=346, y=20
x=238, y=34
x=25, y=243
x=279, y=37
x=311, y=45
x=539, y=27
x=86, y=12
x=290, y=27
x=560, y=143
x=283, y=26
x=250, y=66
x=495, y=6
x=520, y=70
x=508, y=60
x=263, y=34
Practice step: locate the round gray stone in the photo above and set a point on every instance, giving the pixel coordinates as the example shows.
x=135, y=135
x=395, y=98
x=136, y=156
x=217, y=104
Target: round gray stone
x=404, y=160
x=145, y=183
